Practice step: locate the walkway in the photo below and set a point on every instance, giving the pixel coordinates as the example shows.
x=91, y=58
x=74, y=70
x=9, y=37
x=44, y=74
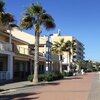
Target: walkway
x=73, y=88
x=95, y=90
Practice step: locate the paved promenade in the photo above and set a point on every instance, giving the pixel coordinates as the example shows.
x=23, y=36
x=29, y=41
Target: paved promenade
x=75, y=88
x=85, y=87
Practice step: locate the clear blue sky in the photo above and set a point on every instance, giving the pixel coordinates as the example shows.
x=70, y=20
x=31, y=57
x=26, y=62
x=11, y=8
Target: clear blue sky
x=79, y=18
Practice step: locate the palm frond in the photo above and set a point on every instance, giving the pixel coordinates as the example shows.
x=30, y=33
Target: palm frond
x=49, y=24
x=26, y=25
x=57, y=44
x=27, y=22
x=2, y=3
x=5, y=18
x=62, y=40
x=45, y=16
x=35, y=9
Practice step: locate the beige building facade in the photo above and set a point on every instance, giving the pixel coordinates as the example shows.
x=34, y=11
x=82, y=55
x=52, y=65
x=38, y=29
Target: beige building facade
x=17, y=54
x=49, y=59
x=76, y=54
x=9, y=53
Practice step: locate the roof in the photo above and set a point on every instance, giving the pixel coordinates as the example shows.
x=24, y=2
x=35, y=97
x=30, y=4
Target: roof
x=7, y=34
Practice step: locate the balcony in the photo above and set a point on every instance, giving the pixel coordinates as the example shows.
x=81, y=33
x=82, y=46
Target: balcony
x=55, y=57
x=21, y=50
x=5, y=47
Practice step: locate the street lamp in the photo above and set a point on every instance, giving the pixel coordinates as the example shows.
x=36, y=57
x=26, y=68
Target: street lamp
x=49, y=49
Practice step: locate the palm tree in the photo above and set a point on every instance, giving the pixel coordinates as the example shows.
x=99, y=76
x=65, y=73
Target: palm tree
x=58, y=48
x=68, y=46
x=5, y=18
x=2, y=5
x=35, y=17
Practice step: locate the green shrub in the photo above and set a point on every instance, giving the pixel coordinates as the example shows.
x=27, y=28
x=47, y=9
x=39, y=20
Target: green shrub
x=41, y=77
x=64, y=74
x=70, y=73
x=59, y=75
x=30, y=78
x=49, y=77
x=53, y=76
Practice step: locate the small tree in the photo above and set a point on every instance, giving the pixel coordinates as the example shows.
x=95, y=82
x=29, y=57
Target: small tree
x=59, y=48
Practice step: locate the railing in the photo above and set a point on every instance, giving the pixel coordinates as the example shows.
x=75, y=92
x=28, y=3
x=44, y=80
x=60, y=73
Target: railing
x=32, y=52
x=21, y=50
x=3, y=75
x=5, y=46
x=55, y=57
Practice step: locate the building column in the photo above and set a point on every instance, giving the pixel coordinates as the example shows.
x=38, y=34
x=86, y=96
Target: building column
x=10, y=67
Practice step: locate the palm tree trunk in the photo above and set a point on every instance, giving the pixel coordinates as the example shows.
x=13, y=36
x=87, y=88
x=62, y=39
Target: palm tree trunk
x=68, y=58
x=36, y=58
x=60, y=63
x=69, y=61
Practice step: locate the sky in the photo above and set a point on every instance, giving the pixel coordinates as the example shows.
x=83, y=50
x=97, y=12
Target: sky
x=78, y=18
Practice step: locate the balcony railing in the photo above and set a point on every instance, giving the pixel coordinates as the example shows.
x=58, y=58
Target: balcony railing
x=55, y=57
x=5, y=46
x=21, y=50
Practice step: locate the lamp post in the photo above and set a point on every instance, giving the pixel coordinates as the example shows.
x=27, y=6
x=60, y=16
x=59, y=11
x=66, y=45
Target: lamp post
x=49, y=50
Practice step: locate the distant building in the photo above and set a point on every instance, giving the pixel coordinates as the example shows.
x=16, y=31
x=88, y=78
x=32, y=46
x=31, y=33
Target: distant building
x=78, y=53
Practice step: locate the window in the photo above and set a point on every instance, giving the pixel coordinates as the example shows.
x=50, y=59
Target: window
x=1, y=66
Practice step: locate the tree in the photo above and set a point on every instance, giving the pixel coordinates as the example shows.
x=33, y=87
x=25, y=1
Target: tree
x=5, y=17
x=2, y=5
x=58, y=48
x=68, y=48
x=36, y=17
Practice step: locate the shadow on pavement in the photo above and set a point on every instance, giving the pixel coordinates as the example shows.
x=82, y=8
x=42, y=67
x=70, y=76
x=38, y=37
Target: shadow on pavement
x=20, y=96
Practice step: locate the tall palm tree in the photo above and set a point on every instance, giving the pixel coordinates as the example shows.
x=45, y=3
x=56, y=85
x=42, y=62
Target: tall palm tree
x=35, y=17
x=58, y=48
